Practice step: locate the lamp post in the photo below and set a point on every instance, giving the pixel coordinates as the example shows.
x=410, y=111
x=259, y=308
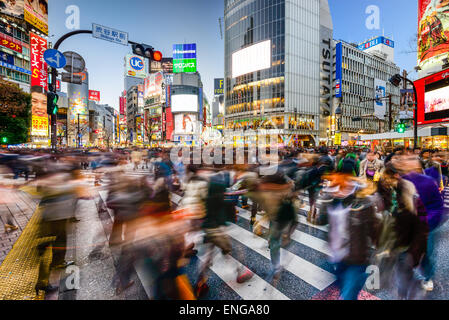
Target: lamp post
x=396, y=81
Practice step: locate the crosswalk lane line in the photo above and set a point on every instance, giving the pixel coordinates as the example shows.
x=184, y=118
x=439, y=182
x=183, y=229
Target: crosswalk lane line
x=298, y=236
x=254, y=289
x=303, y=269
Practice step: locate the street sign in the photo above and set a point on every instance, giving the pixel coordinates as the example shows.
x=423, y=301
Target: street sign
x=75, y=63
x=72, y=78
x=55, y=59
x=109, y=34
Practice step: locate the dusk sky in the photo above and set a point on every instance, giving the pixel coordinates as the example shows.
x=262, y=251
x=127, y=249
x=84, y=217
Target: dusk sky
x=164, y=23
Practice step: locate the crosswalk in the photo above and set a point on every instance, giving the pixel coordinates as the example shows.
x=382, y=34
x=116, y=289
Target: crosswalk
x=307, y=272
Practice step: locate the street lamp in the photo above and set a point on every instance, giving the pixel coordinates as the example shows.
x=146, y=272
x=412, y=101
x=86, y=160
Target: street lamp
x=396, y=81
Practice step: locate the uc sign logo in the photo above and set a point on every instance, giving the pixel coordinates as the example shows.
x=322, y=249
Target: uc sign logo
x=137, y=63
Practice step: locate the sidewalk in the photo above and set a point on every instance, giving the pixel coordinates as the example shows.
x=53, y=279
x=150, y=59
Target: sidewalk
x=21, y=212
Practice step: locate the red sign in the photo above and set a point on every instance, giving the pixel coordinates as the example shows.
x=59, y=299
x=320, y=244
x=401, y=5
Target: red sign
x=39, y=75
x=94, y=95
x=122, y=105
x=435, y=83
x=169, y=124
x=10, y=43
x=58, y=85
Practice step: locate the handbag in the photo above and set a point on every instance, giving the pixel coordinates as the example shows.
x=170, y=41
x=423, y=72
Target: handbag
x=376, y=177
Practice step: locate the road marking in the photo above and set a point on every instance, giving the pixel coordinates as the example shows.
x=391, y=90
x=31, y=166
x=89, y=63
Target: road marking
x=298, y=236
x=254, y=289
x=301, y=268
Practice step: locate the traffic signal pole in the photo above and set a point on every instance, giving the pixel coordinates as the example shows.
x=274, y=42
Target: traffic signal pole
x=54, y=74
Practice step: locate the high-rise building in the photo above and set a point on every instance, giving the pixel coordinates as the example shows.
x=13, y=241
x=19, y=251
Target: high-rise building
x=362, y=75
x=278, y=69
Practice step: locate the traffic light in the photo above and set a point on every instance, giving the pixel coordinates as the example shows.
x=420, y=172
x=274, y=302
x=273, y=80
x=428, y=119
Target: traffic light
x=52, y=103
x=401, y=127
x=147, y=51
x=4, y=140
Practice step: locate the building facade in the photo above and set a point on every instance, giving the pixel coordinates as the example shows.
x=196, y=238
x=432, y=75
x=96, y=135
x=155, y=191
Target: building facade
x=273, y=81
x=361, y=72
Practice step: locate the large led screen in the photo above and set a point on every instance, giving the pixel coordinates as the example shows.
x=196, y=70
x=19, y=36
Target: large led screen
x=184, y=103
x=185, y=124
x=253, y=58
x=436, y=99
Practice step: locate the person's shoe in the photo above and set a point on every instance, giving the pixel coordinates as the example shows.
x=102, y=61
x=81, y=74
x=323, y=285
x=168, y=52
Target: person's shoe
x=47, y=289
x=10, y=227
x=65, y=264
x=120, y=289
x=427, y=285
x=201, y=289
x=245, y=276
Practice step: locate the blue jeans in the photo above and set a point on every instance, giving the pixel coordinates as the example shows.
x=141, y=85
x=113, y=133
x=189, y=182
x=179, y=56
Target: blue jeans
x=274, y=243
x=350, y=279
x=428, y=262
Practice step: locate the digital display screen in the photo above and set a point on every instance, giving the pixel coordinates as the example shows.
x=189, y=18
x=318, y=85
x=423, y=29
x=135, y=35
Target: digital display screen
x=253, y=58
x=437, y=101
x=184, y=103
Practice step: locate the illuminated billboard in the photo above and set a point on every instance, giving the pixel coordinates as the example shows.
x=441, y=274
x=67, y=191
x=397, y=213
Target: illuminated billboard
x=253, y=58
x=433, y=32
x=135, y=66
x=154, y=86
x=433, y=98
x=184, y=103
x=184, y=58
x=36, y=13
x=185, y=124
x=39, y=76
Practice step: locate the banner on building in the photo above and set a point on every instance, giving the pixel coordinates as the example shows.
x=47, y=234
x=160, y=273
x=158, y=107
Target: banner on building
x=380, y=88
x=13, y=8
x=10, y=43
x=39, y=76
x=433, y=32
x=36, y=14
x=94, y=95
x=122, y=105
x=338, y=70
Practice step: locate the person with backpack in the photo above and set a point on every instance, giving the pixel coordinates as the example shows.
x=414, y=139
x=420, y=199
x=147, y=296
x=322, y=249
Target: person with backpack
x=274, y=195
x=349, y=163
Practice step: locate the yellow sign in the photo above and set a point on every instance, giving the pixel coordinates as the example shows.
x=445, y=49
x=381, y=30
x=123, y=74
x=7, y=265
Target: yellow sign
x=337, y=139
x=39, y=126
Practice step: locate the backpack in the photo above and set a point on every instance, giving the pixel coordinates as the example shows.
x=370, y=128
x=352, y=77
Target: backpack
x=349, y=165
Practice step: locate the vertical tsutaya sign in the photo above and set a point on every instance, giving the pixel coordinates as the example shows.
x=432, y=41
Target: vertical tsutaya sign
x=109, y=34
x=326, y=71
x=184, y=58
x=380, y=88
x=338, y=70
x=36, y=14
x=39, y=75
x=219, y=87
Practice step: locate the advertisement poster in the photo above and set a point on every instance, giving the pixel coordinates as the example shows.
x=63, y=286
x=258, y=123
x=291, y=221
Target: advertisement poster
x=36, y=13
x=185, y=124
x=94, y=95
x=135, y=66
x=39, y=76
x=433, y=29
x=154, y=85
x=122, y=105
x=39, y=126
x=380, y=88
x=78, y=105
x=13, y=8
